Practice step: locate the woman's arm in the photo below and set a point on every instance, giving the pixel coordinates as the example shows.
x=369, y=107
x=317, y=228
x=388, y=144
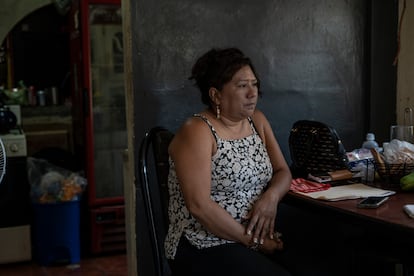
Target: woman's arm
x=191, y=150
x=263, y=214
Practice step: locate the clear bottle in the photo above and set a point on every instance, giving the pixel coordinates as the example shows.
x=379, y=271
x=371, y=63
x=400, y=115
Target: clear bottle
x=370, y=143
x=41, y=97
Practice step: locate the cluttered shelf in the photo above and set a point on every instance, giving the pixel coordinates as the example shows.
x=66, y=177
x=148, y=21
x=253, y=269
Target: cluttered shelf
x=329, y=178
x=328, y=186
x=48, y=126
x=317, y=151
x=371, y=172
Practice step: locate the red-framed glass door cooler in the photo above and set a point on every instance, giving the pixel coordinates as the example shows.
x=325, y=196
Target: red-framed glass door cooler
x=99, y=116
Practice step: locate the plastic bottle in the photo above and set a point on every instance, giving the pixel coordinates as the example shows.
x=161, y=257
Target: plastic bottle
x=41, y=97
x=370, y=143
x=32, y=96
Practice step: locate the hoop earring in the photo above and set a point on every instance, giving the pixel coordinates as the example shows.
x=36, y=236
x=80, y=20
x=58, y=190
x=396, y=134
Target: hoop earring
x=218, y=111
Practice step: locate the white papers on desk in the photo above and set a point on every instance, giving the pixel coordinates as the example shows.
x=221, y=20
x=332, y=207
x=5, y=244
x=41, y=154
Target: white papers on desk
x=351, y=191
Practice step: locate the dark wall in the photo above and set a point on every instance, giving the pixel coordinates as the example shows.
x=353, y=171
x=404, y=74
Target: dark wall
x=310, y=56
x=383, y=71
x=314, y=59
x=41, y=50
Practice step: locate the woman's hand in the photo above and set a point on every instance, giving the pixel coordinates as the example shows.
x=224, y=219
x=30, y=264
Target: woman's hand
x=271, y=245
x=263, y=214
x=262, y=218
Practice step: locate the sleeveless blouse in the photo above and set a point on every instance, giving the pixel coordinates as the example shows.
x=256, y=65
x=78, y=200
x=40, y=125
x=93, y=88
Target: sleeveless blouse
x=241, y=169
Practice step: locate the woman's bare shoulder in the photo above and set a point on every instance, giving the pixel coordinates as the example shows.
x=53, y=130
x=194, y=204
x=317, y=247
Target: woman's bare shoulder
x=193, y=132
x=193, y=126
x=259, y=118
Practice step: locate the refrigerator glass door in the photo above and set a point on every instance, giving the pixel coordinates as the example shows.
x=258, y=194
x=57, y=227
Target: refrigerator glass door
x=107, y=126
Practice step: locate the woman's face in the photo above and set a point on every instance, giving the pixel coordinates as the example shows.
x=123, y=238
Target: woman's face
x=238, y=98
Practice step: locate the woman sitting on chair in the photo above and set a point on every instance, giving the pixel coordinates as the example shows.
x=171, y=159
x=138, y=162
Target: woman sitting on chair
x=227, y=176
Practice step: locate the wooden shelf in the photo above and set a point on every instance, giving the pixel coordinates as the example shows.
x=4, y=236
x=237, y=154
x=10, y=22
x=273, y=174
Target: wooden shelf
x=47, y=127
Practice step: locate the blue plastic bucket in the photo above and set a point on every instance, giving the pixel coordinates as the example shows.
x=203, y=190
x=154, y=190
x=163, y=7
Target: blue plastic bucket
x=56, y=232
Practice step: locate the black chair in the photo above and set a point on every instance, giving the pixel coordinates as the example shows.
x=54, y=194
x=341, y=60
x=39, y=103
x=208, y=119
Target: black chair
x=154, y=180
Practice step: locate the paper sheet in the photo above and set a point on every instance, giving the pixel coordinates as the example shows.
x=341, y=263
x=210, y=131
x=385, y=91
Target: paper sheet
x=351, y=191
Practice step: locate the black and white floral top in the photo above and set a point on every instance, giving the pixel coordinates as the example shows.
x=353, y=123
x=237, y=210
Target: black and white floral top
x=241, y=169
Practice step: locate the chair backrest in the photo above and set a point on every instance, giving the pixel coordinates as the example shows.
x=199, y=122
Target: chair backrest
x=154, y=180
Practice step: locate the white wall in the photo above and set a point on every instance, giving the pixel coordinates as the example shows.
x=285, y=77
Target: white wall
x=405, y=75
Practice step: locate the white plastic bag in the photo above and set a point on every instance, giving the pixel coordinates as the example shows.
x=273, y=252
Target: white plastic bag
x=399, y=152
x=50, y=183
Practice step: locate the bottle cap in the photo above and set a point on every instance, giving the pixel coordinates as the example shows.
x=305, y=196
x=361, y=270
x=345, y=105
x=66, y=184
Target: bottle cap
x=370, y=136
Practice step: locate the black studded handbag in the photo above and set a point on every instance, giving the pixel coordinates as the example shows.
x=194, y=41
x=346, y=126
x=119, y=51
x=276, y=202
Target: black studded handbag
x=315, y=148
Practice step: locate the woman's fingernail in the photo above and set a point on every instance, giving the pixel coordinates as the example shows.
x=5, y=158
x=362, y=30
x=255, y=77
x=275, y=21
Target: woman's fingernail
x=255, y=240
x=249, y=232
x=262, y=241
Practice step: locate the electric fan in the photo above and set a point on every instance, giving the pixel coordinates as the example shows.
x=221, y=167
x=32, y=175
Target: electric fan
x=2, y=161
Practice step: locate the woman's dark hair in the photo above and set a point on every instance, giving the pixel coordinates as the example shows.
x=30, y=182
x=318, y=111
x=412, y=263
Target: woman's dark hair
x=217, y=67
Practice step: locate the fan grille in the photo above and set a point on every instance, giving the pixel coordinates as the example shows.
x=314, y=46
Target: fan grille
x=2, y=161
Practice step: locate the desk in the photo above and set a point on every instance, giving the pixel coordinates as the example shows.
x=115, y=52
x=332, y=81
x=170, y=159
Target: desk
x=390, y=214
x=387, y=232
